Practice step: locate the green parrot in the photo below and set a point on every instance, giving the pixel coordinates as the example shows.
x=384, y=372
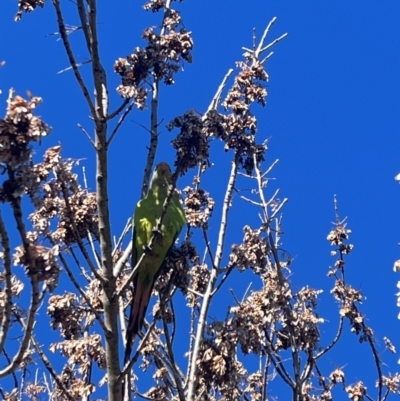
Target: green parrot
x=147, y=214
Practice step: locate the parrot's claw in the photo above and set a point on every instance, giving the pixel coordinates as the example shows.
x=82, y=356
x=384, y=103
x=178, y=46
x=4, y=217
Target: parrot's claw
x=147, y=250
x=157, y=234
x=156, y=231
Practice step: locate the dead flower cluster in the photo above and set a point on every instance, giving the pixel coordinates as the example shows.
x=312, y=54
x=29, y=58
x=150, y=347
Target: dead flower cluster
x=198, y=207
x=27, y=6
x=61, y=198
x=161, y=58
x=253, y=253
x=45, y=263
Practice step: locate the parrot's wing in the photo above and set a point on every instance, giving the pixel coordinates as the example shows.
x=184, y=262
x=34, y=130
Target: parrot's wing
x=140, y=302
x=130, y=335
x=150, y=269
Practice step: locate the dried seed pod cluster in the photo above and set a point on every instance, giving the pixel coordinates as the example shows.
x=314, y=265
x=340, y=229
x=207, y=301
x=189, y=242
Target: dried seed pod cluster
x=161, y=59
x=27, y=6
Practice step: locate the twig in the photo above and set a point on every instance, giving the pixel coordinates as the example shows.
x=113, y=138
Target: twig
x=217, y=97
x=121, y=262
x=279, y=208
x=258, y=50
x=207, y=242
x=198, y=294
x=274, y=42
x=70, y=68
x=116, y=112
x=321, y=378
x=152, y=149
x=191, y=344
x=154, y=117
x=47, y=362
x=86, y=134
x=267, y=365
x=270, y=168
x=127, y=228
x=94, y=252
x=98, y=72
x=33, y=276
x=281, y=370
x=334, y=341
x=171, y=357
x=71, y=57
x=224, y=278
x=211, y=282
x=83, y=294
x=287, y=309
x=142, y=343
x=120, y=121
x=250, y=201
x=7, y=302
x=75, y=229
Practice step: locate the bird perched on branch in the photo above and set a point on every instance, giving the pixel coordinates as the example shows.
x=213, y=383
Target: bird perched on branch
x=146, y=217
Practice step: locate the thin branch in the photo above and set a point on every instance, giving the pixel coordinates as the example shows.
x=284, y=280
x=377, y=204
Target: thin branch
x=7, y=302
x=70, y=68
x=33, y=276
x=192, y=338
x=71, y=57
x=83, y=294
x=224, y=278
x=99, y=113
x=281, y=370
x=209, y=251
x=267, y=365
x=274, y=42
x=171, y=357
x=86, y=134
x=120, y=121
x=217, y=97
x=270, y=168
x=125, y=231
x=77, y=235
x=94, y=252
x=110, y=116
x=258, y=50
x=84, y=22
x=142, y=343
x=152, y=149
x=321, y=378
x=335, y=340
x=250, y=201
x=287, y=309
x=279, y=208
x=99, y=74
x=121, y=262
x=211, y=282
x=198, y=294
x=47, y=362
x=154, y=116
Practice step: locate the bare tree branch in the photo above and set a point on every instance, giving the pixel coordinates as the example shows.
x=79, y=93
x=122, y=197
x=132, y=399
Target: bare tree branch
x=47, y=363
x=120, y=121
x=71, y=57
x=110, y=116
x=35, y=297
x=6, y=311
x=211, y=282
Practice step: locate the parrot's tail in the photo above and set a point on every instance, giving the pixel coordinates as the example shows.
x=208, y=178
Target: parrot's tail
x=141, y=299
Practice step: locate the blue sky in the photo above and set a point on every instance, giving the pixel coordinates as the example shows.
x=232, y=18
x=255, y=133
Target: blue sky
x=332, y=117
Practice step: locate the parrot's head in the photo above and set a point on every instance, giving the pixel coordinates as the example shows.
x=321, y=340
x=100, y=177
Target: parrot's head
x=162, y=175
